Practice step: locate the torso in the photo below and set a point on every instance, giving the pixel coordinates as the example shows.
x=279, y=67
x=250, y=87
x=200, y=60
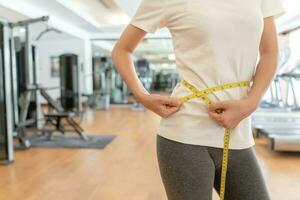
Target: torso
x=215, y=42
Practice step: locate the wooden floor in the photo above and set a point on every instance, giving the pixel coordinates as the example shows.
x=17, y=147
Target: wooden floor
x=125, y=170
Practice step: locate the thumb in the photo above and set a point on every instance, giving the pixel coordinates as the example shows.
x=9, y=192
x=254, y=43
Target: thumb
x=217, y=105
x=171, y=101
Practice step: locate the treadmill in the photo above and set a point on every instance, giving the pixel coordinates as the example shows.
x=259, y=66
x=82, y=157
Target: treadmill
x=281, y=124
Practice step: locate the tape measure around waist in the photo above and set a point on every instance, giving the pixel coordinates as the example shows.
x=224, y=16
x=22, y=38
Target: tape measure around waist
x=202, y=94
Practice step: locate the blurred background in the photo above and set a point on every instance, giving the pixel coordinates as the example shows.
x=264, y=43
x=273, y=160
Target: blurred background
x=71, y=129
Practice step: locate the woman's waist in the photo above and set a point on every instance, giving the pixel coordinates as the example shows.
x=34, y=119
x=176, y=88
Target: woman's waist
x=228, y=91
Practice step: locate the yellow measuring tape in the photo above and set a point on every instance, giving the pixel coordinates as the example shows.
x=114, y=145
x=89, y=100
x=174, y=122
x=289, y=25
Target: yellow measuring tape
x=202, y=94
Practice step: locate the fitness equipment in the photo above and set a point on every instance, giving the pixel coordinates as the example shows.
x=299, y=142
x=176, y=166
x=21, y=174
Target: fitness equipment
x=281, y=124
x=119, y=90
x=145, y=75
x=26, y=106
x=69, y=83
x=56, y=116
x=47, y=30
x=275, y=89
x=70, y=100
x=173, y=80
x=282, y=128
x=63, y=114
x=6, y=129
x=166, y=80
x=108, y=86
x=101, y=92
x=292, y=77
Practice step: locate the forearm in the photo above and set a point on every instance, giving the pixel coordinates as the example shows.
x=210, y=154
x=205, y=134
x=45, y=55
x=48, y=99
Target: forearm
x=125, y=66
x=266, y=69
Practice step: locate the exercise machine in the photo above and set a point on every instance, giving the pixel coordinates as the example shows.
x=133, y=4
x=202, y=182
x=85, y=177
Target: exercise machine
x=101, y=91
x=280, y=122
x=26, y=105
x=277, y=100
x=292, y=78
x=119, y=91
x=70, y=95
x=70, y=101
x=108, y=86
x=165, y=80
x=58, y=117
x=145, y=75
x=6, y=129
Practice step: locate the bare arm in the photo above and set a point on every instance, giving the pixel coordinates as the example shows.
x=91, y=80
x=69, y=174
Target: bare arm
x=237, y=110
x=267, y=65
x=121, y=55
x=122, y=52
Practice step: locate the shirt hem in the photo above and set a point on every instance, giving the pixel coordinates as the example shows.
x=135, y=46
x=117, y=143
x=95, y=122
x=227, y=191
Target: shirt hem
x=275, y=14
x=142, y=26
x=207, y=143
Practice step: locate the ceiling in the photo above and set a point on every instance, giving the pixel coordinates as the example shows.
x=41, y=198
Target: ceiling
x=98, y=18
x=36, y=29
x=80, y=18
x=153, y=49
x=104, y=20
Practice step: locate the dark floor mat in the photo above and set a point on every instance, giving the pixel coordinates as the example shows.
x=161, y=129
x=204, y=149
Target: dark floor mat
x=71, y=141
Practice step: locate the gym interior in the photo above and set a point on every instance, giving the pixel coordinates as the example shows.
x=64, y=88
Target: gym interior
x=71, y=129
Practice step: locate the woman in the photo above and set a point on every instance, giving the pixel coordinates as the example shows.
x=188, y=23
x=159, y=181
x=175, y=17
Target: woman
x=215, y=43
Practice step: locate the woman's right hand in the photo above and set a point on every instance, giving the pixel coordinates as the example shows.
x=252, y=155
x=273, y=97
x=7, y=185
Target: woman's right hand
x=162, y=105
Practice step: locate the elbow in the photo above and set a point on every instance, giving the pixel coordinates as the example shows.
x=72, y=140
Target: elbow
x=118, y=52
x=120, y=55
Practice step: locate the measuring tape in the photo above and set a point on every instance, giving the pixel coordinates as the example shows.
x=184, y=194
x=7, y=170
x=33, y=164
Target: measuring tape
x=202, y=94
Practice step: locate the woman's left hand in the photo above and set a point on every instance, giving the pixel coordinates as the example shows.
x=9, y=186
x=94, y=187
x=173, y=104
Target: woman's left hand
x=229, y=113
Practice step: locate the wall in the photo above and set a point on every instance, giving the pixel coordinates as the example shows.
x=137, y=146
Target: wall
x=56, y=46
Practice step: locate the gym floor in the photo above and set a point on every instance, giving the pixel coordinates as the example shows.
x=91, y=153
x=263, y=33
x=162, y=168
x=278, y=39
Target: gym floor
x=125, y=170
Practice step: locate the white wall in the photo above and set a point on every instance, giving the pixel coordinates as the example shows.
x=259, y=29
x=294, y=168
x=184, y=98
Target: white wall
x=56, y=47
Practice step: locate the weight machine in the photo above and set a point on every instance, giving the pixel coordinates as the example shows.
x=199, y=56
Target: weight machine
x=101, y=91
x=108, y=86
x=70, y=103
x=145, y=75
x=6, y=128
x=26, y=105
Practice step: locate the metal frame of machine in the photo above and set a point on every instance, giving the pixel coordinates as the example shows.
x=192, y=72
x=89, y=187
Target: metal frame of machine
x=7, y=115
x=20, y=120
x=280, y=122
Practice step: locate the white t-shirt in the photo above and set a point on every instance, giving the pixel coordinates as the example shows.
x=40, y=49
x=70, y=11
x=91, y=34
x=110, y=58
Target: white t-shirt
x=215, y=42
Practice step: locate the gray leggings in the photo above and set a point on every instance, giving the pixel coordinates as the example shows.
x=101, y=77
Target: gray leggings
x=190, y=172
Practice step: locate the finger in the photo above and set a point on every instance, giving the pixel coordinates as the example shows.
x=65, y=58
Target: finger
x=217, y=117
x=167, y=110
x=172, y=108
x=217, y=105
x=171, y=101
